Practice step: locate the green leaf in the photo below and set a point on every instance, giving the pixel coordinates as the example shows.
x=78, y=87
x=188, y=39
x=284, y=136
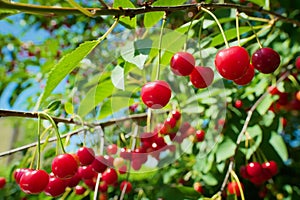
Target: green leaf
x=66, y=65
x=129, y=54
x=152, y=18
x=95, y=96
x=54, y=105
x=69, y=108
x=117, y=77
x=225, y=150
x=258, y=2
x=264, y=106
x=279, y=146
x=210, y=180
x=129, y=22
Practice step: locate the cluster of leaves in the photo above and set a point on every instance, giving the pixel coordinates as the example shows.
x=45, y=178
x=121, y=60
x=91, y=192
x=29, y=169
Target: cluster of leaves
x=96, y=83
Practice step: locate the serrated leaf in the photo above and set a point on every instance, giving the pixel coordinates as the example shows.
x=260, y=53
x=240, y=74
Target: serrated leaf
x=129, y=22
x=279, y=145
x=66, y=65
x=151, y=18
x=225, y=149
x=69, y=108
x=95, y=96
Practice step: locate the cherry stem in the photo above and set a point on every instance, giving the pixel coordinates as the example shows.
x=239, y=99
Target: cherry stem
x=45, y=115
x=236, y=178
x=237, y=26
x=189, y=28
x=254, y=32
x=159, y=46
x=219, y=25
x=38, y=165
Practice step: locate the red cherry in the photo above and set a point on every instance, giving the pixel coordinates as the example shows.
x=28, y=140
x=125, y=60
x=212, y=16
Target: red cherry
x=247, y=77
x=136, y=164
x=86, y=172
x=125, y=153
x=64, y=166
x=238, y=104
x=265, y=60
x=232, y=63
x=202, y=77
x=18, y=173
x=254, y=169
x=233, y=188
x=85, y=155
x=156, y=94
x=283, y=122
x=34, y=181
x=72, y=182
x=271, y=167
x=99, y=164
x=123, y=169
x=298, y=62
x=243, y=172
x=198, y=187
x=103, y=187
x=273, y=90
x=182, y=63
x=200, y=134
x=128, y=186
x=79, y=190
x=112, y=149
x=110, y=176
x=176, y=114
x=55, y=187
x=2, y=182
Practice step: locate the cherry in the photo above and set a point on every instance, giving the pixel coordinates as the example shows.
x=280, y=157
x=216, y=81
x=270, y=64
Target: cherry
x=238, y=104
x=156, y=94
x=103, y=187
x=72, y=182
x=34, y=181
x=233, y=188
x=123, y=169
x=202, y=77
x=85, y=155
x=200, y=134
x=182, y=63
x=265, y=60
x=128, y=186
x=243, y=172
x=176, y=114
x=112, y=149
x=110, y=176
x=2, y=182
x=55, y=187
x=273, y=90
x=64, y=166
x=119, y=162
x=79, y=190
x=247, y=77
x=283, y=122
x=86, y=172
x=99, y=164
x=18, y=173
x=271, y=167
x=298, y=62
x=198, y=187
x=254, y=169
x=232, y=63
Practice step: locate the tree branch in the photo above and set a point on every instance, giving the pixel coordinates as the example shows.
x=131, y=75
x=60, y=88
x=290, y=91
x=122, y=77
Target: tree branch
x=243, y=131
x=131, y=12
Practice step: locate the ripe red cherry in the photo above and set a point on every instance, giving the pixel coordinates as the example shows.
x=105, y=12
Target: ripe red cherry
x=55, y=187
x=110, y=176
x=298, y=62
x=271, y=167
x=85, y=155
x=273, y=90
x=112, y=149
x=18, y=173
x=182, y=63
x=233, y=188
x=64, y=166
x=156, y=94
x=202, y=77
x=200, y=134
x=2, y=182
x=247, y=77
x=238, y=104
x=72, y=182
x=265, y=60
x=128, y=186
x=79, y=190
x=34, y=181
x=86, y=172
x=254, y=169
x=99, y=164
x=232, y=63
x=176, y=114
x=198, y=187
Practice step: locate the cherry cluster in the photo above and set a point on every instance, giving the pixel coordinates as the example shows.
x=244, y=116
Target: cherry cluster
x=258, y=173
x=233, y=63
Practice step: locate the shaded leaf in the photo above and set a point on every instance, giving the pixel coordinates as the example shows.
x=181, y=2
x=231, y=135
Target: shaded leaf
x=129, y=22
x=225, y=150
x=279, y=146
